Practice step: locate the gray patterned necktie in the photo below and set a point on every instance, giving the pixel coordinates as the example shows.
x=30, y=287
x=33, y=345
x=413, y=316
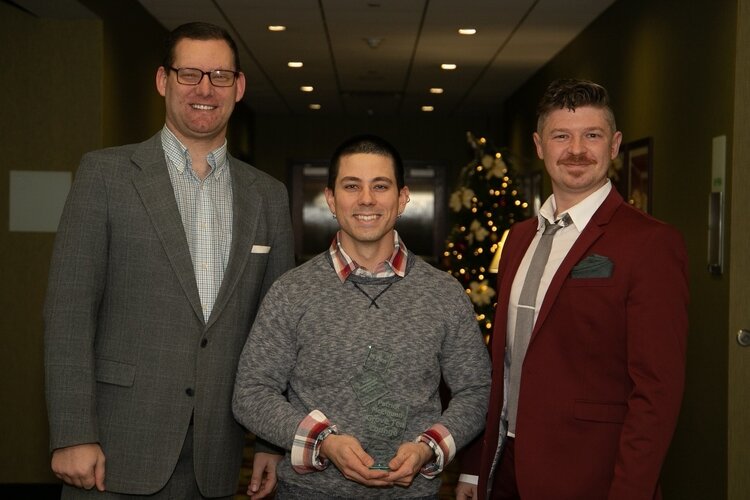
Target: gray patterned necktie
x=525, y=313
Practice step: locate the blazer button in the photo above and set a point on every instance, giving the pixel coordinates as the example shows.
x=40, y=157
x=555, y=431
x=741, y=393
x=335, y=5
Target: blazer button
x=204, y=342
x=189, y=391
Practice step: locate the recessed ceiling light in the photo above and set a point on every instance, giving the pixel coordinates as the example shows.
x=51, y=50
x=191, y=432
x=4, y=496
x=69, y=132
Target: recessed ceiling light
x=315, y=106
x=374, y=41
x=294, y=64
x=448, y=66
x=306, y=88
x=276, y=27
x=428, y=108
x=467, y=31
x=436, y=90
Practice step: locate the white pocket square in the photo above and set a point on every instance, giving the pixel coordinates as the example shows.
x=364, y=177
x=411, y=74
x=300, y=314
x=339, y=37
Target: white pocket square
x=260, y=249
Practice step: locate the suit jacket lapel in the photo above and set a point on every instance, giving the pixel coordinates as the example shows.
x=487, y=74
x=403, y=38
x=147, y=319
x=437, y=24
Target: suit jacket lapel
x=515, y=248
x=513, y=255
x=246, y=205
x=588, y=237
x=157, y=194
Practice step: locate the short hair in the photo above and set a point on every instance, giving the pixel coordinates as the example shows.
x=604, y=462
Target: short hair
x=369, y=144
x=197, y=31
x=571, y=94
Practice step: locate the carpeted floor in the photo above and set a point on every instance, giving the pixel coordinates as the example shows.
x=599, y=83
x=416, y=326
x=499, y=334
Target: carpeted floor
x=449, y=477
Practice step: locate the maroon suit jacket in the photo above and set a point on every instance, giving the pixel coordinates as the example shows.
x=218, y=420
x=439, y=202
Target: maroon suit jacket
x=603, y=377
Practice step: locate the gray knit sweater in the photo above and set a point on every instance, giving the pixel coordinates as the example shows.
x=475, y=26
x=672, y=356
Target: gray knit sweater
x=312, y=336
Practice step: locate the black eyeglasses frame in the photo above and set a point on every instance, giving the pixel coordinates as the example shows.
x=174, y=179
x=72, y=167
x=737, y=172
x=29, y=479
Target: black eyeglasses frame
x=210, y=74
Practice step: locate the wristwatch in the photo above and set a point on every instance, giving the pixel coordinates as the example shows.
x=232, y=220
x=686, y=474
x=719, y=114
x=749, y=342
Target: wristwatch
x=332, y=429
x=429, y=442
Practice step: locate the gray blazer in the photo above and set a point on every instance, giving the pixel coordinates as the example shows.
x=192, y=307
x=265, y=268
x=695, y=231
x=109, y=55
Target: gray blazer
x=128, y=357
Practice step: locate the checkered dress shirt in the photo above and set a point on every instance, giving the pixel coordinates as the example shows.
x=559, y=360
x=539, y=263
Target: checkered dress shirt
x=206, y=210
x=345, y=265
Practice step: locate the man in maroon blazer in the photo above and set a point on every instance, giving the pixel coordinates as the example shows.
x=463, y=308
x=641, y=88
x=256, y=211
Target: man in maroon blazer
x=592, y=405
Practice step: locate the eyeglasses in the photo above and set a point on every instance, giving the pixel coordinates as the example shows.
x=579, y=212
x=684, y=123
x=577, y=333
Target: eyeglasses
x=217, y=77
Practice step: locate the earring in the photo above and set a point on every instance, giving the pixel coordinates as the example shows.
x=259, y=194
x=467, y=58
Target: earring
x=333, y=215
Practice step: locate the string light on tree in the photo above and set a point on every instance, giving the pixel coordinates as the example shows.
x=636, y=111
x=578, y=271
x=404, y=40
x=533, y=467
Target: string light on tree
x=484, y=204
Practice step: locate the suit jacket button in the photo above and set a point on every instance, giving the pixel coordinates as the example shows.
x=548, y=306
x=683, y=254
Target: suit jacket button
x=204, y=342
x=189, y=391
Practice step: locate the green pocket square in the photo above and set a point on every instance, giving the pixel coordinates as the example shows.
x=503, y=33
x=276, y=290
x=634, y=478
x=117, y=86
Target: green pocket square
x=593, y=266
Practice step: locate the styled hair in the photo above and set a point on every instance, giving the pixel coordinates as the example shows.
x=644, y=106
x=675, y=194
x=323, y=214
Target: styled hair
x=370, y=144
x=197, y=31
x=571, y=94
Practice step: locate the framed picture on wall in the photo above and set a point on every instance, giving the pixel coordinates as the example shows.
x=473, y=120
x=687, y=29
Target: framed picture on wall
x=631, y=173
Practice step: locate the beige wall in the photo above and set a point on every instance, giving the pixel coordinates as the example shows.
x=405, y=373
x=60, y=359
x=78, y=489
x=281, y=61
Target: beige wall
x=739, y=262
x=669, y=67
x=131, y=44
x=51, y=102
x=70, y=86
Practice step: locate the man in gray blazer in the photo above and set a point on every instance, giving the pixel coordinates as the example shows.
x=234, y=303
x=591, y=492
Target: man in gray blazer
x=163, y=253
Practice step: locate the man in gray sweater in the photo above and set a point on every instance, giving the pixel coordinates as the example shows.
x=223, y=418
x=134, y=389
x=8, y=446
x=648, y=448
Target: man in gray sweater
x=345, y=357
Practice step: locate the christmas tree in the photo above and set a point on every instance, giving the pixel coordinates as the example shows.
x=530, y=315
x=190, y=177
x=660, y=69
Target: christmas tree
x=484, y=205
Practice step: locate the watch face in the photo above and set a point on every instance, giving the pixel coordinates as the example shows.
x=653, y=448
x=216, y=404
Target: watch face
x=327, y=432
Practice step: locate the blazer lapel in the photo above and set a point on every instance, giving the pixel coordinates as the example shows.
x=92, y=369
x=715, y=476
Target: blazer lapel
x=518, y=241
x=588, y=237
x=513, y=255
x=157, y=194
x=246, y=206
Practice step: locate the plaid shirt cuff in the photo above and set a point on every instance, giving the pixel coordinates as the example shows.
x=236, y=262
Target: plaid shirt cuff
x=306, y=447
x=439, y=438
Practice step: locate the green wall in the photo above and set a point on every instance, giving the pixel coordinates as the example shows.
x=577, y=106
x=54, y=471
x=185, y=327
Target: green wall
x=669, y=67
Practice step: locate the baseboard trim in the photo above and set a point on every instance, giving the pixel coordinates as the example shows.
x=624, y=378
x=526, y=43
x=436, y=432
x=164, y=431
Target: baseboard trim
x=36, y=491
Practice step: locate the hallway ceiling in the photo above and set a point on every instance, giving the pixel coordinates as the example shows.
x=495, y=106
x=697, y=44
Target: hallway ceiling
x=381, y=57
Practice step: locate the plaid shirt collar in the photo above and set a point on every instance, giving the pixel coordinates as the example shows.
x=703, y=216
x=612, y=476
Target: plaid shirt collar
x=345, y=265
x=180, y=158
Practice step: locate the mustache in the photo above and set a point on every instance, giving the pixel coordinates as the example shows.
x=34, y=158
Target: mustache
x=581, y=159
